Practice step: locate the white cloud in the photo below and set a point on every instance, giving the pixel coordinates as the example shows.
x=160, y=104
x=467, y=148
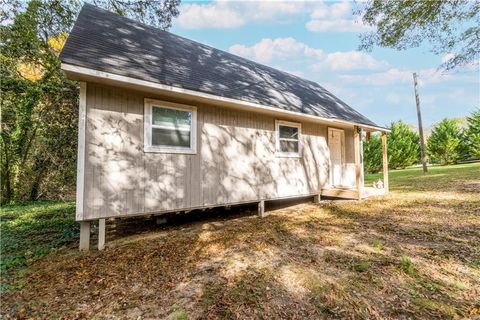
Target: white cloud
x=233, y=14
x=211, y=15
x=268, y=50
x=337, y=17
x=339, y=25
x=220, y=14
x=387, y=77
x=350, y=60
x=276, y=49
x=336, y=10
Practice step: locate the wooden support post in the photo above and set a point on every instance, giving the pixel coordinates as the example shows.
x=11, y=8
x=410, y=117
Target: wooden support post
x=317, y=198
x=84, y=235
x=261, y=209
x=385, y=161
x=362, y=167
x=101, y=234
x=356, y=147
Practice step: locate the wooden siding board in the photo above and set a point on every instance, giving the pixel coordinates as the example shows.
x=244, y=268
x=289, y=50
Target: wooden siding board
x=235, y=160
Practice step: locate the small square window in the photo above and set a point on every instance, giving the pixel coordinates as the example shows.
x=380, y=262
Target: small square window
x=288, y=138
x=169, y=128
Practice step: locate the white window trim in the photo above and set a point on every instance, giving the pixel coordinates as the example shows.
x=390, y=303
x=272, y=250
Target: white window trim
x=297, y=125
x=147, y=125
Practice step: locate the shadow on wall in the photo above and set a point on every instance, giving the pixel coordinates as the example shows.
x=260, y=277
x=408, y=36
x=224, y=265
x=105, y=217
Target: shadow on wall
x=235, y=162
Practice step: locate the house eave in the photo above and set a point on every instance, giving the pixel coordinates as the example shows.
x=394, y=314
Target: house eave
x=87, y=74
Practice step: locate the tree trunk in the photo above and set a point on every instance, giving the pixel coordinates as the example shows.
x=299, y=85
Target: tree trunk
x=6, y=188
x=35, y=189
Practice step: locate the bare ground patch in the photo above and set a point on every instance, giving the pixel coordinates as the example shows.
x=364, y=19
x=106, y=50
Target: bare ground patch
x=408, y=255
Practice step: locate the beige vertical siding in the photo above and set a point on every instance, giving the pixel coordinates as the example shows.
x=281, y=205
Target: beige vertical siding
x=235, y=160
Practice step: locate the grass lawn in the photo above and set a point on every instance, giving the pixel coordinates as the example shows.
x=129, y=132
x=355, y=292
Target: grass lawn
x=412, y=254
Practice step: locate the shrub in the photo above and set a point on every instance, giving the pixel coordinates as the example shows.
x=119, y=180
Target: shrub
x=372, y=154
x=445, y=142
x=473, y=135
x=403, y=146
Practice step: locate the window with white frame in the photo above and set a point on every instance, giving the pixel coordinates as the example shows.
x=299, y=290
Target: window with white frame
x=169, y=127
x=288, y=138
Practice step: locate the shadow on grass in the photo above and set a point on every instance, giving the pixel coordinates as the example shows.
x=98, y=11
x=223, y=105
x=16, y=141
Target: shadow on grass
x=397, y=257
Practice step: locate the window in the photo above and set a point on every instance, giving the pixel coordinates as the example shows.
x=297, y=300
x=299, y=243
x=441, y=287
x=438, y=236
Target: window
x=288, y=138
x=169, y=127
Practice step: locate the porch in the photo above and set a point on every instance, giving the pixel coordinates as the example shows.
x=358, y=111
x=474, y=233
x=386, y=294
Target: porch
x=359, y=190
x=352, y=193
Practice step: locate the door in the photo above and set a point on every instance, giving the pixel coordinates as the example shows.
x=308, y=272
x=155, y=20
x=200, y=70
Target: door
x=336, y=144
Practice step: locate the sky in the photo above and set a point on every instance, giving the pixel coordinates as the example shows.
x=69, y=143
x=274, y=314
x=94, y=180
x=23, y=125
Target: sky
x=319, y=40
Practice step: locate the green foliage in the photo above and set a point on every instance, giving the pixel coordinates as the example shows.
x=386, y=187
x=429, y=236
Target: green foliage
x=407, y=266
x=451, y=27
x=39, y=105
x=178, y=313
x=372, y=154
x=377, y=244
x=473, y=134
x=361, y=266
x=31, y=230
x=403, y=146
x=445, y=142
x=153, y=12
x=403, y=149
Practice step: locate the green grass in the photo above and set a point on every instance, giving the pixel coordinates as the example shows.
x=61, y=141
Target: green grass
x=30, y=230
x=407, y=266
x=437, y=178
x=377, y=244
x=361, y=266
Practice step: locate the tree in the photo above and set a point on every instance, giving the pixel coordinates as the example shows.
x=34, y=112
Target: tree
x=403, y=146
x=451, y=27
x=473, y=134
x=39, y=115
x=372, y=154
x=445, y=142
x=403, y=149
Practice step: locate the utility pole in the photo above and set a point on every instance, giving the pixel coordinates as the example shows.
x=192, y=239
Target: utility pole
x=420, y=126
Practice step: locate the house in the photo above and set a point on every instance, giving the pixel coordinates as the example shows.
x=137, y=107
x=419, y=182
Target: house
x=168, y=124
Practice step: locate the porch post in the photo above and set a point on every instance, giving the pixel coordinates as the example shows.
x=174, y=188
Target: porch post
x=358, y=172
x=385, y=161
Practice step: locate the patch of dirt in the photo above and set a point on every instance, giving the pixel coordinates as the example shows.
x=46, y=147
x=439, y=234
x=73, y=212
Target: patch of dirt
x=401, y=256
x=471, y=186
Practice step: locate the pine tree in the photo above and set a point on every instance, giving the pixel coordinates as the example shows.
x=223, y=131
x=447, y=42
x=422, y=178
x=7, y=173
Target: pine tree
x=372, y=154
x=403, y=146
x=445, y=142
x=473, y=134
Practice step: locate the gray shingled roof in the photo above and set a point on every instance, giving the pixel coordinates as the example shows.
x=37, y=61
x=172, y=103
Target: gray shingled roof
x=107, y=42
